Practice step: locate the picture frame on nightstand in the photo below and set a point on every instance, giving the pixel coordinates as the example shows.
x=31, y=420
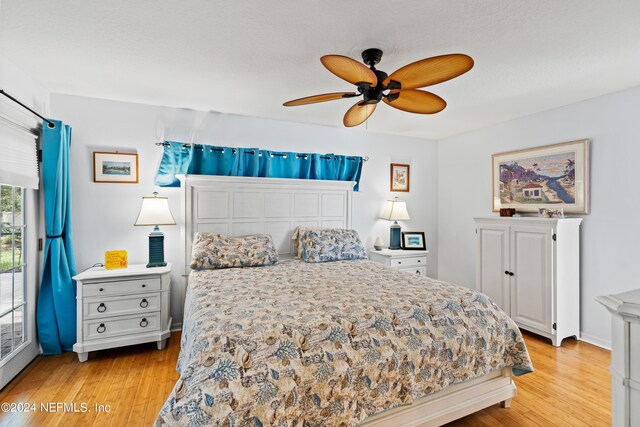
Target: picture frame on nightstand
x=414, y=240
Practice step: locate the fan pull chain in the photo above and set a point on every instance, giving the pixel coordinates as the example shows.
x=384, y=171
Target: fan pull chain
x=366, y=123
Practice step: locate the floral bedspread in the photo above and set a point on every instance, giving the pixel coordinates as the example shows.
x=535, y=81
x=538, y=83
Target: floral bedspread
x=300, y=344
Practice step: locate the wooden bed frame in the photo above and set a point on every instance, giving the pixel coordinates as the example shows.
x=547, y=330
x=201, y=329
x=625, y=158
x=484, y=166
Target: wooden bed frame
x=238, y=206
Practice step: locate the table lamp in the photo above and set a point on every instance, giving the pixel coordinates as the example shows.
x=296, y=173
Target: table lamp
x=155, y=211
x=395, y=210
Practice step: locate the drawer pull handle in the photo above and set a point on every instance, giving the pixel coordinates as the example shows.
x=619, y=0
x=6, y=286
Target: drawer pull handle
x=419, y=260
x=506, y=272
x=144, y=323
x=102, y=308
x=399, y=262
x=510, y=273
x=101, y=328
x=418, y=273
x=144, y=303
x=144, y=285
x=101, y=289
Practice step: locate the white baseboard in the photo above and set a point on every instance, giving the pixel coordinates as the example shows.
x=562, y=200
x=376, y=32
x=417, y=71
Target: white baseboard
x=598, y=342
x=176, y=327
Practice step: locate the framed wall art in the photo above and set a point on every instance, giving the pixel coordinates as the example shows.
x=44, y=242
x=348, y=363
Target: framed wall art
x=399, y=177
x=414, y=240
x=550, y=177
x=118, y=168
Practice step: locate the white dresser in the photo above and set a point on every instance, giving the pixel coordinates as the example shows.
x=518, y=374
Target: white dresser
x=409, y=261
x=625, y=357
x=530, y=267
x=122, y=307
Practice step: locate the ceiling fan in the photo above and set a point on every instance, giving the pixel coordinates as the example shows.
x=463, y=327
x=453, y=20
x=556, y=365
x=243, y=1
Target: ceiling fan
x=399, y=90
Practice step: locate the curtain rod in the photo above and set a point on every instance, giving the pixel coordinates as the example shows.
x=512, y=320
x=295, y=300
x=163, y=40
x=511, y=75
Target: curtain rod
x=49, y=122
x=162, y=144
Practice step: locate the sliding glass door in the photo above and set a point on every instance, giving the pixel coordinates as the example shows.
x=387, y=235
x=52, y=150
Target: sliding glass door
x=17, y=345
x=12, y=271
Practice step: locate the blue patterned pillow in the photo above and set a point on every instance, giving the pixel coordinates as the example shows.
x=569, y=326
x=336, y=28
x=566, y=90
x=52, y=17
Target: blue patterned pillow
x=331, y=244
x=213, y=251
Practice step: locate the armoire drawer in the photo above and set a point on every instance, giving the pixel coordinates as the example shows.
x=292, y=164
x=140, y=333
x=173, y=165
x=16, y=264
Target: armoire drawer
x=96, y=307
x=121, y=287
x=124, y=325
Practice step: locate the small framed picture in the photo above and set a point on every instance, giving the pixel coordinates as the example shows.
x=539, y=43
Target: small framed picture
x=400, y=177
x=118, y=168
x=414, y=240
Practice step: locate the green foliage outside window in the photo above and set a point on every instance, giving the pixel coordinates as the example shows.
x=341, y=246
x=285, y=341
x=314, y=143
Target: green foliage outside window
x=10, y=206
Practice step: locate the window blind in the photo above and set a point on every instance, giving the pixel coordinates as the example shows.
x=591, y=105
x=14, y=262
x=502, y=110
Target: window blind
x=18, y=156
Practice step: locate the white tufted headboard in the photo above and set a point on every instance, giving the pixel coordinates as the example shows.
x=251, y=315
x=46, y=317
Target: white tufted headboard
x=237, y=206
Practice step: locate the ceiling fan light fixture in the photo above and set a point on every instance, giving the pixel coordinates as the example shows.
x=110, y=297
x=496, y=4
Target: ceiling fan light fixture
x=399, y=90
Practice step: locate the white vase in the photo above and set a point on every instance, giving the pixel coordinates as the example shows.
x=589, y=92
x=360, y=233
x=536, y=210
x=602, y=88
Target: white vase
x=378, y=244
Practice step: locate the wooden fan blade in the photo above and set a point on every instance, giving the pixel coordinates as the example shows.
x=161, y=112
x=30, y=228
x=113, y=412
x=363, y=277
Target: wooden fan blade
x=431, y=71
x=416, y=101
x=319, y=98
x=358, y=114
x=349, y=69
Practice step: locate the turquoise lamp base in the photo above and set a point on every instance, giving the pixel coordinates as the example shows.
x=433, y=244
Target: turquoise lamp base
x=394, y=236
x=156, y=248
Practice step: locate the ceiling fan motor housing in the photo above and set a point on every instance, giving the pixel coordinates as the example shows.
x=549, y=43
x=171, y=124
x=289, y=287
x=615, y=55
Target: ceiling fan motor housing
x=372, y=56
x=373, y=95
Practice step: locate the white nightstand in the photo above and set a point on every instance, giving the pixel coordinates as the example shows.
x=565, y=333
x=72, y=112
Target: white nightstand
x=122, y=307
x=414, y=262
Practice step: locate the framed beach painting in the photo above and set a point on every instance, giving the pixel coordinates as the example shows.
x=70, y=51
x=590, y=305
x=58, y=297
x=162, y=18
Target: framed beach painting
x=115, y=167
x=550, y=177
x=399, y=177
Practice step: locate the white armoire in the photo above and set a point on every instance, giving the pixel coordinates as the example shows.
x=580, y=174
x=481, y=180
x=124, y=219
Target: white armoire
x=530, y=267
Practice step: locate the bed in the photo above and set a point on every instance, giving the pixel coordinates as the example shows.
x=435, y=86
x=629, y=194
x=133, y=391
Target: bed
x=334, y=343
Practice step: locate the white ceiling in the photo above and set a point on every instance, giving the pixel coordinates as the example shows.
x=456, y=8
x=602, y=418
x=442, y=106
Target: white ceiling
x=247, y=57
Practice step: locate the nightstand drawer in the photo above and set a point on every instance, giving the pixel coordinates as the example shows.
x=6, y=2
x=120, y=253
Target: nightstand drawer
x=408, y=262
x=417, y=271
x=123, y=325
x=121, y=305
x=121, y=287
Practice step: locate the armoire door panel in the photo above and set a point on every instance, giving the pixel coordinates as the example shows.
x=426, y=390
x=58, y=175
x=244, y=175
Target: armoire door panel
x=532, y=266
x=493, y=251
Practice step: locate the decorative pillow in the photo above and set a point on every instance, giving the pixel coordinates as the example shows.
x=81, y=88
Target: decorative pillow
x=331, y=244
x=297, y=233
x=213, y=250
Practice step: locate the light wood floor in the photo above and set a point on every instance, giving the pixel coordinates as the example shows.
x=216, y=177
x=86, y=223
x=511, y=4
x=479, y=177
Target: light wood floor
x=570, y=387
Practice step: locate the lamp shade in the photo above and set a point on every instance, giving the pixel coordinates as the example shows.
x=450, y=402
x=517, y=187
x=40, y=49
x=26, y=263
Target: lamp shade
x=155, y=211
x=395, y=210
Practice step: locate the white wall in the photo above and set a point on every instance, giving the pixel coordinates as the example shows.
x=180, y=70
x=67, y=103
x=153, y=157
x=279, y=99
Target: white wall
x=103, y=214
x=610, y=234
x=19, y=85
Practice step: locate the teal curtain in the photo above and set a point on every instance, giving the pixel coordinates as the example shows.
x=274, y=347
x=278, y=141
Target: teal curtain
x=56, y=311
x=176, y=159
x=248, y=162
x=180, y=158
